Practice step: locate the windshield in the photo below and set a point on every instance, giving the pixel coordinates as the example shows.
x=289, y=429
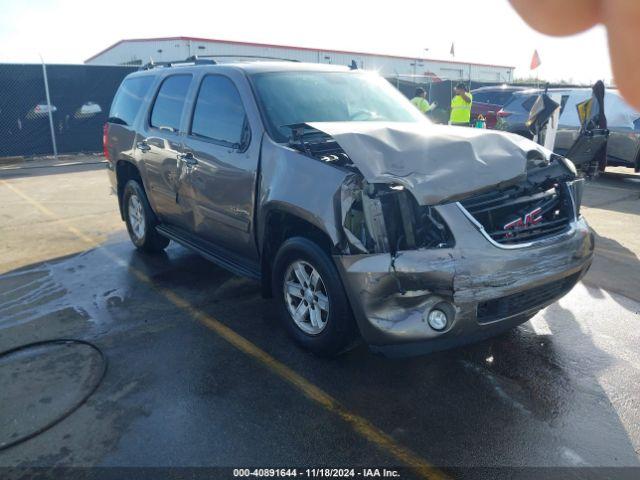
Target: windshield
x=296, y=97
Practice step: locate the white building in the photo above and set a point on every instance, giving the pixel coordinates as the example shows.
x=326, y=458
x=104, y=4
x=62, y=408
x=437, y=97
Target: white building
x=142, y=50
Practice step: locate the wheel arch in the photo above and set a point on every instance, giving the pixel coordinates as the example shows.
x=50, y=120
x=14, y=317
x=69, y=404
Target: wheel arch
x=125, y=171
x=279, y=225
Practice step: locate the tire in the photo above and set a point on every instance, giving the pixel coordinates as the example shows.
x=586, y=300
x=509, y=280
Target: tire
x=334, y=329
x=140, y=219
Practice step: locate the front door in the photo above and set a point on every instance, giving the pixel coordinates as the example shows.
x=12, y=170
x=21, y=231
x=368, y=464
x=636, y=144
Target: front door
x=221, y=160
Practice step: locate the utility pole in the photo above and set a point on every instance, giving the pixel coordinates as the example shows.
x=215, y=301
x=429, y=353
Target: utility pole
x=49, y=109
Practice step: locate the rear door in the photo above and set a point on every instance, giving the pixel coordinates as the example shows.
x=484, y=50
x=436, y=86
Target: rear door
x=221, y=160
x=158, y=146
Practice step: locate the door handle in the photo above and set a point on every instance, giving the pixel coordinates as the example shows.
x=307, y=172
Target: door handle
x=188, y=158
x=143, y=146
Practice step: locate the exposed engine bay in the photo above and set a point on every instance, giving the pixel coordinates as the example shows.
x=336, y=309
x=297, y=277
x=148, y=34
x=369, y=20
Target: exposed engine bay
x=381, y=218
x=386, y=217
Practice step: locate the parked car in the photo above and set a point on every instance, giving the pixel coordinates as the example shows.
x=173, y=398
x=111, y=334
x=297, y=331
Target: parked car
x=513, y=115
x=358, y=216
x=487, y=101
x=41, y=110
x=88, y=110
x=623, y=123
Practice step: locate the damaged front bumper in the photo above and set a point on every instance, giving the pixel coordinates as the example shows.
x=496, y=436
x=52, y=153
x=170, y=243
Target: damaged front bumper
x=484, y=288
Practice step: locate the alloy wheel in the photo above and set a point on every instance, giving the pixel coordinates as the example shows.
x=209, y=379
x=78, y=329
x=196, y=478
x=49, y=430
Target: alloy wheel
x=306, y=297
x=136, y=217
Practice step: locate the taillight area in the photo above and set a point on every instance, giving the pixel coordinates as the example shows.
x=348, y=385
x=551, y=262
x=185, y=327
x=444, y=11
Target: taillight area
x=105, y=140
x=503, y=114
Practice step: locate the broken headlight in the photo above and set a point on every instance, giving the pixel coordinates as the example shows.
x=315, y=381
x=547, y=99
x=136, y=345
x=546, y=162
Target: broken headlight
x=382, y=218
x=576, y=188
x=568, y=164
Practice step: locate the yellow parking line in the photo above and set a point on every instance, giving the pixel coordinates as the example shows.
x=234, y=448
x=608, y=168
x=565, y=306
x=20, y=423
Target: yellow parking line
x=360, y=424
x=34, y=203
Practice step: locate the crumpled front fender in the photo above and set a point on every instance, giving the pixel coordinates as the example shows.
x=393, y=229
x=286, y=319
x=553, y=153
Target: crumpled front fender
x=390, y=304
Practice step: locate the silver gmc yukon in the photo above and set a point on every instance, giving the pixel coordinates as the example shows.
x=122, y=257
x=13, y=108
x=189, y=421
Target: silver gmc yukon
x=360, y=217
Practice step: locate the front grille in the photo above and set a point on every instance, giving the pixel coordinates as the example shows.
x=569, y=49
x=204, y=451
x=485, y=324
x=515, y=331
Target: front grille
x=515, y=216
x=521, y=302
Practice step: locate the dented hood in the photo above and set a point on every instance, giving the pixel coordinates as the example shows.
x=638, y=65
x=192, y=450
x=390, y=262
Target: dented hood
x=437, y=163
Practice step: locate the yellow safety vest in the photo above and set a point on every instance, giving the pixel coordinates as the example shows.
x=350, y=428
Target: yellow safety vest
x=421, y=104
x=461, y=110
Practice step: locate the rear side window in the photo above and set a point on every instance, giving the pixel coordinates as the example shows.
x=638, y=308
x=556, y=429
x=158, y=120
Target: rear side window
x=128, y=99
x=219, y=115
x=167, y=109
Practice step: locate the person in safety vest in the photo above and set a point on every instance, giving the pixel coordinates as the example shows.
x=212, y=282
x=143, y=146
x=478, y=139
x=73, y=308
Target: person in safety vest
x=421, y=102
x=461, y=106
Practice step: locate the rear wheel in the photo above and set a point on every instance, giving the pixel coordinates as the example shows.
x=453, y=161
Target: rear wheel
x=311, y=299
x=140, y=219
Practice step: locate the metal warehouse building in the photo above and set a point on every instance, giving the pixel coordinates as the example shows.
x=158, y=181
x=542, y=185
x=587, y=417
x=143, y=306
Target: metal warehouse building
x=141, y=51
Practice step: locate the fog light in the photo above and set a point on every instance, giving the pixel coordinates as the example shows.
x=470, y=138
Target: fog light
x=437, y=320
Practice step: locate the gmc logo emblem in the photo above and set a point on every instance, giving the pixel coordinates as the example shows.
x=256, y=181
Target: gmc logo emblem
x=532, y=218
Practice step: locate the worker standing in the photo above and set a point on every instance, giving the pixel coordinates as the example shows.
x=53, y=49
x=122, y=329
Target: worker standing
x=421, y=102
x=461, y=106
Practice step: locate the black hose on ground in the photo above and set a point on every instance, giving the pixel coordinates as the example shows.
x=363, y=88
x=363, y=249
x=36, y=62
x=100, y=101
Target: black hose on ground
x=55, y=421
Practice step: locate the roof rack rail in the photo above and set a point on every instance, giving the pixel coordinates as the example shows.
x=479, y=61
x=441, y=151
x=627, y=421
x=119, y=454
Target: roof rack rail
x=207, y=60
x=192, y=60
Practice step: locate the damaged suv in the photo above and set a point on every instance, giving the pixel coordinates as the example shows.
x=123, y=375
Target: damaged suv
x=360, y=217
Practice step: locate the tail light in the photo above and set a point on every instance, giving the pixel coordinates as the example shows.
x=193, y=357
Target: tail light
x=503, y=114
x=105, y=140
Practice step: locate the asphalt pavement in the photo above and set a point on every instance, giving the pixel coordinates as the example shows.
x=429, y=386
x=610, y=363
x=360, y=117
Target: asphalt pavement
x=200, y=373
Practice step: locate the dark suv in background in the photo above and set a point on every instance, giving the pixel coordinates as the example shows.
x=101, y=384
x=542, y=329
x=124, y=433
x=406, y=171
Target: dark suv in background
x=359, y=216
x=487, y=101
x=513, y=115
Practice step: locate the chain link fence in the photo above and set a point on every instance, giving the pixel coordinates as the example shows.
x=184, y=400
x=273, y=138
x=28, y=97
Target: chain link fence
x=66, y=119
x=49, y=109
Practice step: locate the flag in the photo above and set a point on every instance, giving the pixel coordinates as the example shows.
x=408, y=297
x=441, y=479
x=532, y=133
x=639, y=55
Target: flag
x=535, y=60
x=453, y=50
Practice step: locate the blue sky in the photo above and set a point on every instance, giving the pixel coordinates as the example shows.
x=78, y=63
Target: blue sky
x=488, y=31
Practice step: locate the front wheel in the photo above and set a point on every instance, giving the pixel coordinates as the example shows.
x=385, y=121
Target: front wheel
x=311, y=299
x=141, y=220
